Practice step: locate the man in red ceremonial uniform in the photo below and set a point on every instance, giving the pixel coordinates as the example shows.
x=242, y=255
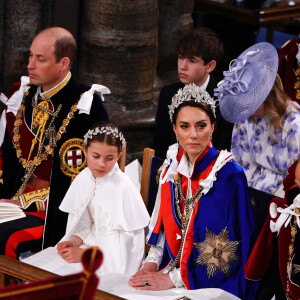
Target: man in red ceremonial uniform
x=275, y=258
x=44, y=122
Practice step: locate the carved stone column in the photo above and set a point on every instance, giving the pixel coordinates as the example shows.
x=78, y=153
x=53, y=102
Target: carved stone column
x=175, y=19
x=118, y=41
x=22, y=21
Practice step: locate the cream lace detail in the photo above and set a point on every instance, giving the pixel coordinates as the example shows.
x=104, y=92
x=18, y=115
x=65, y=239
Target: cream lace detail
x=104, y=221
x=176, y=278
x=154, y=255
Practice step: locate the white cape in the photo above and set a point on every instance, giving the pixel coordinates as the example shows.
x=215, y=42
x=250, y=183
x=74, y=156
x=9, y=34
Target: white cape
x=123, y=247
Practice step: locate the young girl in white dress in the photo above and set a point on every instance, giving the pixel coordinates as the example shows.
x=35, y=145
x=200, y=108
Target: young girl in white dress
x=105, y=208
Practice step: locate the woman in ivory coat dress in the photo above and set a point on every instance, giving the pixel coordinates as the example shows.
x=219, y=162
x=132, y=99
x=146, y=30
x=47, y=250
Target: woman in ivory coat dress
x=105, y=208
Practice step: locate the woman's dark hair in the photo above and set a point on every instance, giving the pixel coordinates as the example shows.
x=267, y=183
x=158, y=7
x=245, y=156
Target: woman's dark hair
x=200, y=105
x=105, y=138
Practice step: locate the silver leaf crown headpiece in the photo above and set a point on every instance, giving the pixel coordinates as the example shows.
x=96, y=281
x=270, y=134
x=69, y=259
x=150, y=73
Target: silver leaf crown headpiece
x=104, y=130
x=191, y=92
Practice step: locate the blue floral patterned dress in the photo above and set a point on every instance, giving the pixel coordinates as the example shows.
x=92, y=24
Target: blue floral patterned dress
x=265, y=152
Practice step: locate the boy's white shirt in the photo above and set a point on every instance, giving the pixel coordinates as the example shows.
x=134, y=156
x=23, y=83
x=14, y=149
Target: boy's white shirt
x=205, y=84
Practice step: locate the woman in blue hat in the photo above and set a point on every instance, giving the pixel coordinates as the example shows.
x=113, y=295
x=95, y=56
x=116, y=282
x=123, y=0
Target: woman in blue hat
x=266, y=134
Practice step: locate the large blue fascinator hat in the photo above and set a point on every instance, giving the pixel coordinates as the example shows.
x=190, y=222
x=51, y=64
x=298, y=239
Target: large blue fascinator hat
x=248, y=82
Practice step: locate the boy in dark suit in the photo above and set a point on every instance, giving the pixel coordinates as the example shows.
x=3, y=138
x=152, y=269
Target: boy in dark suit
x=199, y=51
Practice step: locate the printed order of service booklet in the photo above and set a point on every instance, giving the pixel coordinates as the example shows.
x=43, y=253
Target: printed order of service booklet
x=9, y=212
x=117, y=284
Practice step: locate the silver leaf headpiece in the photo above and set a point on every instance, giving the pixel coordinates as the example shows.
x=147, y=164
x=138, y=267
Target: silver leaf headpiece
x=191, y=92
x=104, y=130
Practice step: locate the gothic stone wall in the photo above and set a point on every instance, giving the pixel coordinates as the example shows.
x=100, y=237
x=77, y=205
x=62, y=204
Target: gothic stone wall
x=121, y=44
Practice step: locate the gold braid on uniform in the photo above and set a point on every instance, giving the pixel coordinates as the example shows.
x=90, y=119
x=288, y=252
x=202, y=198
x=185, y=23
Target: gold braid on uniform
x=297, y=83
x=290, y=255
x=188, y=209
x=31, y=164
x=296, y=269
x=41, y=115
x=38, y=197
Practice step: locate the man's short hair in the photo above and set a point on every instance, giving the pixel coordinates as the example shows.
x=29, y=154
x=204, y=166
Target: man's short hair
x=65, y=46
x=202, y=42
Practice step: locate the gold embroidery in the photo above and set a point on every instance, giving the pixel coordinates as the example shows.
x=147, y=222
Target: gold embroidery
x=52, y=92
x=290, y=255
x=38, y=196
x=39, y=206
x=16, y=138
x=296, y=269
x=39, y=115
x=217, y=252
x=31, y=165
x=190, y=204
x=71, y=157
x=157, y=176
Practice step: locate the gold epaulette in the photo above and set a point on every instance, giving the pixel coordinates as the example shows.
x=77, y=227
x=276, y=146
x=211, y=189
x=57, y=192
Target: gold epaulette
x=39, y=197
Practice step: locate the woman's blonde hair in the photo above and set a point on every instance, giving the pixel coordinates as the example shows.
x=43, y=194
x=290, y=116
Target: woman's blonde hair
x=276, y=104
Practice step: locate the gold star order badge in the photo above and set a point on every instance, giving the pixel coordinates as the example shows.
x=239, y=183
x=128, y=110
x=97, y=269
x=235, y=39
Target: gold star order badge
x=217, y=252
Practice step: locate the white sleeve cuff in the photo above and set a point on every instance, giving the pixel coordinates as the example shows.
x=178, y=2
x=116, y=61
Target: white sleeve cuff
x=82, y=234
x=154, y=255
x=176, y=278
